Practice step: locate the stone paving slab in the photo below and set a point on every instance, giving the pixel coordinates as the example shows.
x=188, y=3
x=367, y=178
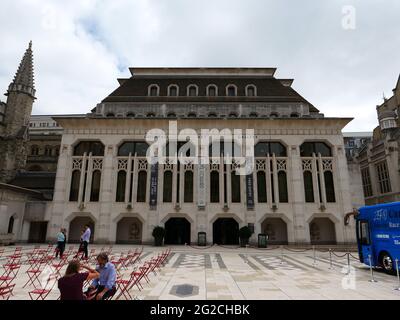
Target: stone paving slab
x=242, y=273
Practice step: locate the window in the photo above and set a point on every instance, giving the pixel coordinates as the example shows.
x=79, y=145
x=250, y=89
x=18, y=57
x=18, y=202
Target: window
x=233, y=115
x=151, y=115
x=192, y=115
x=363, y=233
x=329, y=186
x=10, y=224
x=253, y=115
x=214, y=188
x=261, y=187
x=75, y=181
x=94, y=147
x=212, y=115
x=167, y=187
x=262, y=149
x=308, y=148
x=48, y=151
x=133, y=147
x=173, y=91
x=153, y=90
x=34, y=150
x=141, y=186
x=308, y=186
x=192, y=91
x=366, y=181
x=188, y=197
x=282, y=185
x=235, y=187
x=130, y=115
x=274, y=115
x=171, y=115
x=251, y=91
x=228, y=149
x=231, y=91
x=212, y=90
x=294, y=115
x=383, y=177
x=121, y=185
x=110, y=115
x=95, y=189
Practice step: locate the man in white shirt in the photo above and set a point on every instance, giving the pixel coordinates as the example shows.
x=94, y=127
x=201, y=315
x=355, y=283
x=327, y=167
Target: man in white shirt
x=85, y=240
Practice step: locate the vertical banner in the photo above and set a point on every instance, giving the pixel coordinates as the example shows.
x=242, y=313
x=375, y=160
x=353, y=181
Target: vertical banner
x=201, y=190
x=249, y=191
x=153, y=185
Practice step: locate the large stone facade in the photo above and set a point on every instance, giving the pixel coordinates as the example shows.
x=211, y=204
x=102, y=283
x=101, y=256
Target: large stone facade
x=298, y=192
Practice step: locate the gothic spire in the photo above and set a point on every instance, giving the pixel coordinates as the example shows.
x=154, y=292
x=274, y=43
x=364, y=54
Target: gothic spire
x=24, y=78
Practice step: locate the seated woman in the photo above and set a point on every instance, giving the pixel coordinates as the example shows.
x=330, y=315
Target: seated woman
x=71, y=285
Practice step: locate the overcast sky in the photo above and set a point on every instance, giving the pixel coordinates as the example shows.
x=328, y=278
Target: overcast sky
x=341, y=65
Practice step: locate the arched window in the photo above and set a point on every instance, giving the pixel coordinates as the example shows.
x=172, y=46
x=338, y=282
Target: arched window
x=251, y=90
x=261, y=187
x=121, y=186
x=57, y=150
x=308, y=186
x=231, y=91
x=151, y=115
x=212, y=115
x=329, y=186
x=34, y=150
x=212, y=90
x=235, y=187
x=274, y=115
x=308, y=148
x=48, y=151
x=171, y=115
x=74, y=190
x=253, y=115
x=294, y=115
x=94, y=147
x=262, y=149
x=11, y=224
x=214, y=186
x=282, y=185
x=233, y=115
x=173, y=90
x=130, y=115
x=188, y=196
x=192, y=91
x=110, y=115
x=192, y=115
x=95, y=189
x=228, y=149
x=141, y=186
x=133, y=147
x=167, y=186
x=153, y=90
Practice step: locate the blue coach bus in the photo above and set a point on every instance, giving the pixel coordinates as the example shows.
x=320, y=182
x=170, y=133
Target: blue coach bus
x=378, y=235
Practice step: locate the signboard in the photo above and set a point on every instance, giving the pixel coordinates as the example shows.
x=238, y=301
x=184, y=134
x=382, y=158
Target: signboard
x=249, y=191
x=153, y=186
x=201, y=190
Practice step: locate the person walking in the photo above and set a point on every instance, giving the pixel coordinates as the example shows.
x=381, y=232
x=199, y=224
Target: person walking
x=60, y=243
x=71, y=284
x=85, y=240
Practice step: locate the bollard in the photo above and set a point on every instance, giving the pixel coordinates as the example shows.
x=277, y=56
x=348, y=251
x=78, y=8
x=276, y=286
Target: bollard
x=372, y=271
x=348, y=262
x=315, y=258
x=281, y=254
x=330, y=259
x=398, y=277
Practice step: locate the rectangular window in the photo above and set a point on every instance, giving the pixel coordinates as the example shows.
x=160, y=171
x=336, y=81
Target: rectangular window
x=366, y=181
x=383, y=177
x=364, y=232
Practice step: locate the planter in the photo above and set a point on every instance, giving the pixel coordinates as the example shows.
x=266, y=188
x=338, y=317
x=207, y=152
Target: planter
x=6, y=239
x=158, y=242
x=244, y=242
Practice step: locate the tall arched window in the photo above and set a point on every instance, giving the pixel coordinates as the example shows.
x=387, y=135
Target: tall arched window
x=95, y=190
x=262, y=149
x=94, y=147
x=167, y=186
x=261, y=187
x=34, y=150
x=307, y=149
x=308, y=186
x=188, y=197
x=10, y=224
x=133, y=147
x=329, y=186
x=251, y=90
x=282, y=185
x=212, y=90
x=121, y=186
x=48, y=151
x=231, y=91
x=74, y=190
x=142, y=186
x=154, y=90
x=235, y=187
x=214, y=186
x=173, y=90
x=192, y=91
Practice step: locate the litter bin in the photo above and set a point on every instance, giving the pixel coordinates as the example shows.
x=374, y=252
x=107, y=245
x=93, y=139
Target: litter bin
x=262, y=240
x=201, y=239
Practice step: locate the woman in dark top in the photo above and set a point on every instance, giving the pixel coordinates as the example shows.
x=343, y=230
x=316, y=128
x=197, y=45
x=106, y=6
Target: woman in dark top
x=71, y=285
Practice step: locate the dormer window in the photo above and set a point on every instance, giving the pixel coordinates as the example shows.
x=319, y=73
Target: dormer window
x=251, y=90
x=192, y=91
x=173, y=90
x=154, y=90
x=231, y=91
x=212, y=90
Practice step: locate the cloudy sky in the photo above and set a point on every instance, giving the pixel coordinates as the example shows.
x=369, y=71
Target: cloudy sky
x=342, y=60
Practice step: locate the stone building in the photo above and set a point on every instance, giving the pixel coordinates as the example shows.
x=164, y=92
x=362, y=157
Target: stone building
x=379, y=160
x=298, y=191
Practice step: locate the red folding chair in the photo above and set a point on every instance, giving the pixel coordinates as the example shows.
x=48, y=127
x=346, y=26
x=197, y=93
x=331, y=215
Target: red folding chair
x=6, y=292
x=57, y=267
x=124, y=286
x=10, y=273
x=42, y=293
x=34, y=274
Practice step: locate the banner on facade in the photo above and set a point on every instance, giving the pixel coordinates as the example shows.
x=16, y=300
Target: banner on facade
x=249, y=191
x=201, y=190
x=153, y=185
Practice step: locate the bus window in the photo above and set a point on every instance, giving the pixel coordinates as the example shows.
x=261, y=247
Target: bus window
x=364, y=233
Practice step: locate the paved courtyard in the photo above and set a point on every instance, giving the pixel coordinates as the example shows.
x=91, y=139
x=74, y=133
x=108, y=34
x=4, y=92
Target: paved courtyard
x=248, y=273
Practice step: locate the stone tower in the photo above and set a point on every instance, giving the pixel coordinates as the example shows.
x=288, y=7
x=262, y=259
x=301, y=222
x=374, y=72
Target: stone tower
x=15, y=119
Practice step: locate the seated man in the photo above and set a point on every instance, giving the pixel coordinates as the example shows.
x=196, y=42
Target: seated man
x=103, y=287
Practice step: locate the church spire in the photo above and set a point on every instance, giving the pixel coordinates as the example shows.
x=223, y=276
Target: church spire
x=24, y=79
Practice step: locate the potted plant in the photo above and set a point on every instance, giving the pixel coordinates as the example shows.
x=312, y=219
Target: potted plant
x=244, y=235
x=158, y=234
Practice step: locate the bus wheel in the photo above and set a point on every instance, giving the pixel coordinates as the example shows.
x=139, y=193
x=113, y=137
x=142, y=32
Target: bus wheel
x=387, y=262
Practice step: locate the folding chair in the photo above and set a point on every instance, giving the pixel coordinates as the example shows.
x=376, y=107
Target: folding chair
x=42, y=293
x=6, y=292
x=57, y=267
x=10, y=273
x=124, y=286
x=34, y=274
